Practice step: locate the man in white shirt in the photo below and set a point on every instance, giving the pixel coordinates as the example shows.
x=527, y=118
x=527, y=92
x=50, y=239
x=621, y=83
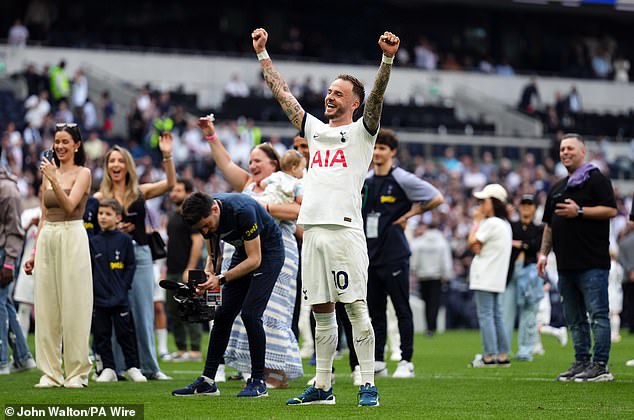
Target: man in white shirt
x=334, y=253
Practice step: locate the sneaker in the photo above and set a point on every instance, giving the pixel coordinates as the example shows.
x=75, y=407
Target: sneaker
x=46, y=382
x=28, y=364
x=5, y=369
x=159, y=376
x=630, y=363
x=563, y=336
x=404, y=369
x=380, y=369
x=76, y=384
x=479, y=362
x=135, y=375
x=596, y=372
x=368, y=396
x=312, y=395
x=356, y=376
x=575, y=369
x=539, y=349
x=221, y=376
x=107, y=375
x=166, y=357
x=255, y=388
x=200, y=387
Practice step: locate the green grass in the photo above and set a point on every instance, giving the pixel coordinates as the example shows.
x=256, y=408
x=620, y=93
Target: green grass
x=443, y=388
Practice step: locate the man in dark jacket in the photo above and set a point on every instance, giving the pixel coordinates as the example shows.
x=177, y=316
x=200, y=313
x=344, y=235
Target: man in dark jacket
x=113, y=269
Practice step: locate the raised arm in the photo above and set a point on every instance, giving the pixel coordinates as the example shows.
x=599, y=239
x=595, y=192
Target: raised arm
x=154, y=189
x=278, y=86
x=237, y=177
x=389, y=43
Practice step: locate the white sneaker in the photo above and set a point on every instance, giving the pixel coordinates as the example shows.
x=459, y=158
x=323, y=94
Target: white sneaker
x=28, y=364
x=563, y=336
x=220, y=374
x=356, y=376
x=135, y=375
x=539, y=349
x=380, y=369
x=160, y=376
x=404, y=369
x=46, y=382
x=5, y=370
x=107, y=375
x=630, y=363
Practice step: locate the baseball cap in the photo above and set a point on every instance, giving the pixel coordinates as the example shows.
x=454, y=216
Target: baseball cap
x=492, y=191
x=527, y=199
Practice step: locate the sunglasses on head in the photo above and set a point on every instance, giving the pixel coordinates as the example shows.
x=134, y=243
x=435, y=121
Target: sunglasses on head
x=59, y=126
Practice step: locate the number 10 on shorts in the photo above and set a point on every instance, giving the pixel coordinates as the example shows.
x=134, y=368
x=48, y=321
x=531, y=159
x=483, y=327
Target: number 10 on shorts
x=341, y=279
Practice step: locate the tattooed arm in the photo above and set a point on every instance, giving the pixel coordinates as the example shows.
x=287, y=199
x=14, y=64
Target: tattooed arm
x=389, y=43
x=547, y=244
x=278, y=86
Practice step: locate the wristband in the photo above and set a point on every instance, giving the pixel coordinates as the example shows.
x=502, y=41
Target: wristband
x=167, y=159
x=8, y=266
x=33, y=252
x=542, y=257
x=263, y=55
x=387, y=60
x=212, y=138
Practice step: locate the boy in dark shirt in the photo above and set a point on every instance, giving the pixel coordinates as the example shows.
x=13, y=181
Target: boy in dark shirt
x=113, y=269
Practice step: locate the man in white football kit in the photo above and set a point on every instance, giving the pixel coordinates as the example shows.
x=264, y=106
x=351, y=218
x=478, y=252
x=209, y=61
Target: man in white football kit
x=334, y=254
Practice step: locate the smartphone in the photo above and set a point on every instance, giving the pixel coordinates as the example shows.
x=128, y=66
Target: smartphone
x=129, y=217
x=48, y=154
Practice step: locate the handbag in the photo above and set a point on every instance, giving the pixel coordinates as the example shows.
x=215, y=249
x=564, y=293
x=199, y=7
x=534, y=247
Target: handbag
x=155, y=241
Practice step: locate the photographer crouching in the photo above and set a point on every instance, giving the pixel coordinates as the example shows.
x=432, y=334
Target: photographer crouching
x=247, y=285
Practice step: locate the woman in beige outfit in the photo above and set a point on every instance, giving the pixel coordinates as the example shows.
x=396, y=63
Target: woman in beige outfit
x=63, y=291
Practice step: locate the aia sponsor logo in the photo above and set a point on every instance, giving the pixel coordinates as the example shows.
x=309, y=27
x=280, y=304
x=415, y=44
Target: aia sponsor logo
x=329, y=159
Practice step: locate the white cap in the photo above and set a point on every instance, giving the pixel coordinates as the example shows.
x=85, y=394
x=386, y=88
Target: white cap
x=492, y=191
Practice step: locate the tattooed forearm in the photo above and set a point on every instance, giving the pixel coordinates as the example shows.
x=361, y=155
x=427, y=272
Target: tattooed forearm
x=282, y=93
x=547, y=241
x=374, y=104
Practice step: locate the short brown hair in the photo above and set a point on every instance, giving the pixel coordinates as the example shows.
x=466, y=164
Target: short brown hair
x=270, y=152
x=573, y=136
x=357, y=86
x=113, y=204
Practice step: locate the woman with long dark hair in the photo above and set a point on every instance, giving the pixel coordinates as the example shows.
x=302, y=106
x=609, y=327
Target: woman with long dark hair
x=61, y=259
x=491, y=240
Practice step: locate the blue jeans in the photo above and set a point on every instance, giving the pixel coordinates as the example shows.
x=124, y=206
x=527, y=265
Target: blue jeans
x=10, y=330
x=494, y=339
x=585, y=293
x=527, y=311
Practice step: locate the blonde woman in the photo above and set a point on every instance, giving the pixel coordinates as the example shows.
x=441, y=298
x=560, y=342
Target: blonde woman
x=61, y=260
x=120, y=181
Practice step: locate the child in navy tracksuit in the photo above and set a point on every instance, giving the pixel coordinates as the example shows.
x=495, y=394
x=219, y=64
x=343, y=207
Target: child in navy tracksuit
x=113, y=269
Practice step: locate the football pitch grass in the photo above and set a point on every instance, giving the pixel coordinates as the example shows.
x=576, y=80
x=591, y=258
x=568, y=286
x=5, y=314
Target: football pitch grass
x=444, y=387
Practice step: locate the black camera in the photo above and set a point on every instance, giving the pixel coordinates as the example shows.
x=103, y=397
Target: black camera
x=191, y=306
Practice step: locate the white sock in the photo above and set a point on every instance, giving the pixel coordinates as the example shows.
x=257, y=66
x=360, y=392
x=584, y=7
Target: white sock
x=161, y=334
x=363, y=337
x=615, y=325
x=24, y=317
x=326, y=337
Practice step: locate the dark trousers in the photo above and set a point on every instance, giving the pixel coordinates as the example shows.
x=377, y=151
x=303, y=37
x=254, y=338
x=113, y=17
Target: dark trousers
x=181, y=329
x=248, y=294
x=102, y=322
x=391, y=280
x=430, y=293
x=628, y=305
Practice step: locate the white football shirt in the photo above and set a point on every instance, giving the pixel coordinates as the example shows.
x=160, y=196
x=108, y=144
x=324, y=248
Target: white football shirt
x=339, y=161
